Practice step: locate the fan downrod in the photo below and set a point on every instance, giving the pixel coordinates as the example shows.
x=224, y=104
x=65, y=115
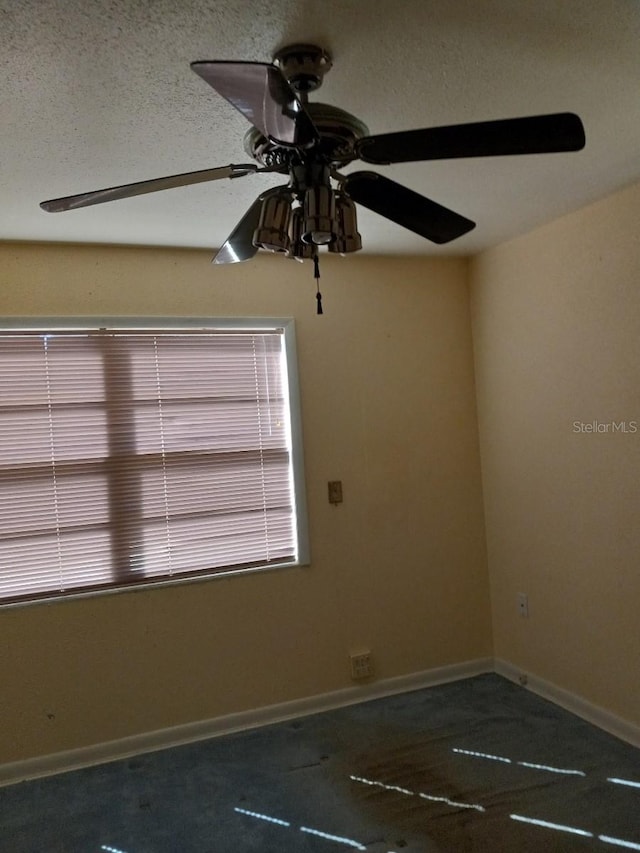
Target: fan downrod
x=303, y=66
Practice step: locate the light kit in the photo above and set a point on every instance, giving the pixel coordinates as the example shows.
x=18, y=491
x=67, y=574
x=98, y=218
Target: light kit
x=273, y=231
x=308, y=213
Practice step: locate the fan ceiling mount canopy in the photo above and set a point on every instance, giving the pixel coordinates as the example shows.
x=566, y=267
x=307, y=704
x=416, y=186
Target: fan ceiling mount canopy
x=310, y=142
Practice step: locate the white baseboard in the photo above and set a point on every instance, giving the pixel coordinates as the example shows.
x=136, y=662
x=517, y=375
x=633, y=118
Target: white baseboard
x=74, y=759
x=571, y=702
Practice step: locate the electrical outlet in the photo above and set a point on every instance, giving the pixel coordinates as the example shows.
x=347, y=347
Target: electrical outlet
x=523, y=604
x=361, y=665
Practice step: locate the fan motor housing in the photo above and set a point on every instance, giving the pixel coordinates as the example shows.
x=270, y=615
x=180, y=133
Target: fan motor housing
x=338, y=130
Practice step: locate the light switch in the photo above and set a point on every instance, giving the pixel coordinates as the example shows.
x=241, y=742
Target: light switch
x=335, y=491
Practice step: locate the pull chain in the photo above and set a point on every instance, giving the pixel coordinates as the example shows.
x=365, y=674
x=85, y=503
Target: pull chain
x=316, y=275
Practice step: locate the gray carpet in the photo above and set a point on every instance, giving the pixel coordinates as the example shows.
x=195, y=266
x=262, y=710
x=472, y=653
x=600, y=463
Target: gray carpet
x=477, y=765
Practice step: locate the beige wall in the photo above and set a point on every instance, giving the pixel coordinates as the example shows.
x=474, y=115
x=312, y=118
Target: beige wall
x=556, y=323
x=388, y=407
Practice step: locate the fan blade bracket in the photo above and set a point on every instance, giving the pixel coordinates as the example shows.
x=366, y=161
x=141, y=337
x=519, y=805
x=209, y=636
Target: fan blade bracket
x=244, y=170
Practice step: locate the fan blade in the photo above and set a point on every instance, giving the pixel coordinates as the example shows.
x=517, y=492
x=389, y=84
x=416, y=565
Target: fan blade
x=263, y=96
x=71, y=202
x=407, y=208
x=530, y=135
x=239, y=244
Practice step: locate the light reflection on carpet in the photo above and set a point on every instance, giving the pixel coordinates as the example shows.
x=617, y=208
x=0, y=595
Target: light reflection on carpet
x=528, y=764
x=532, y=821
x=431, y=797
x=607, y=839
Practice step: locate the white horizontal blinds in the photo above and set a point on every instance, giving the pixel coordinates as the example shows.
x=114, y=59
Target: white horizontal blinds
x=54, y=510
x=131, y=456
x=223, y=489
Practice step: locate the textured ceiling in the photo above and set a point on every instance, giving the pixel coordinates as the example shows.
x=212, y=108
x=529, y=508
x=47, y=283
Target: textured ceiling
x=99, y=93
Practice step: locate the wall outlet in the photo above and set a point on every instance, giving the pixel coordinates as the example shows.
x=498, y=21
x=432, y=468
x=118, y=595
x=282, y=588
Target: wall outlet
x=361, y=665
x=523, y=604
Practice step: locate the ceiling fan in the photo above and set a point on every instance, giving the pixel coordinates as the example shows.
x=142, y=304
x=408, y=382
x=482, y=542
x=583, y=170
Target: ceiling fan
x=310, y=142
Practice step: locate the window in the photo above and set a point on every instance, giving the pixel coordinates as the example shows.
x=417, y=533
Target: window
x=132, y=456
